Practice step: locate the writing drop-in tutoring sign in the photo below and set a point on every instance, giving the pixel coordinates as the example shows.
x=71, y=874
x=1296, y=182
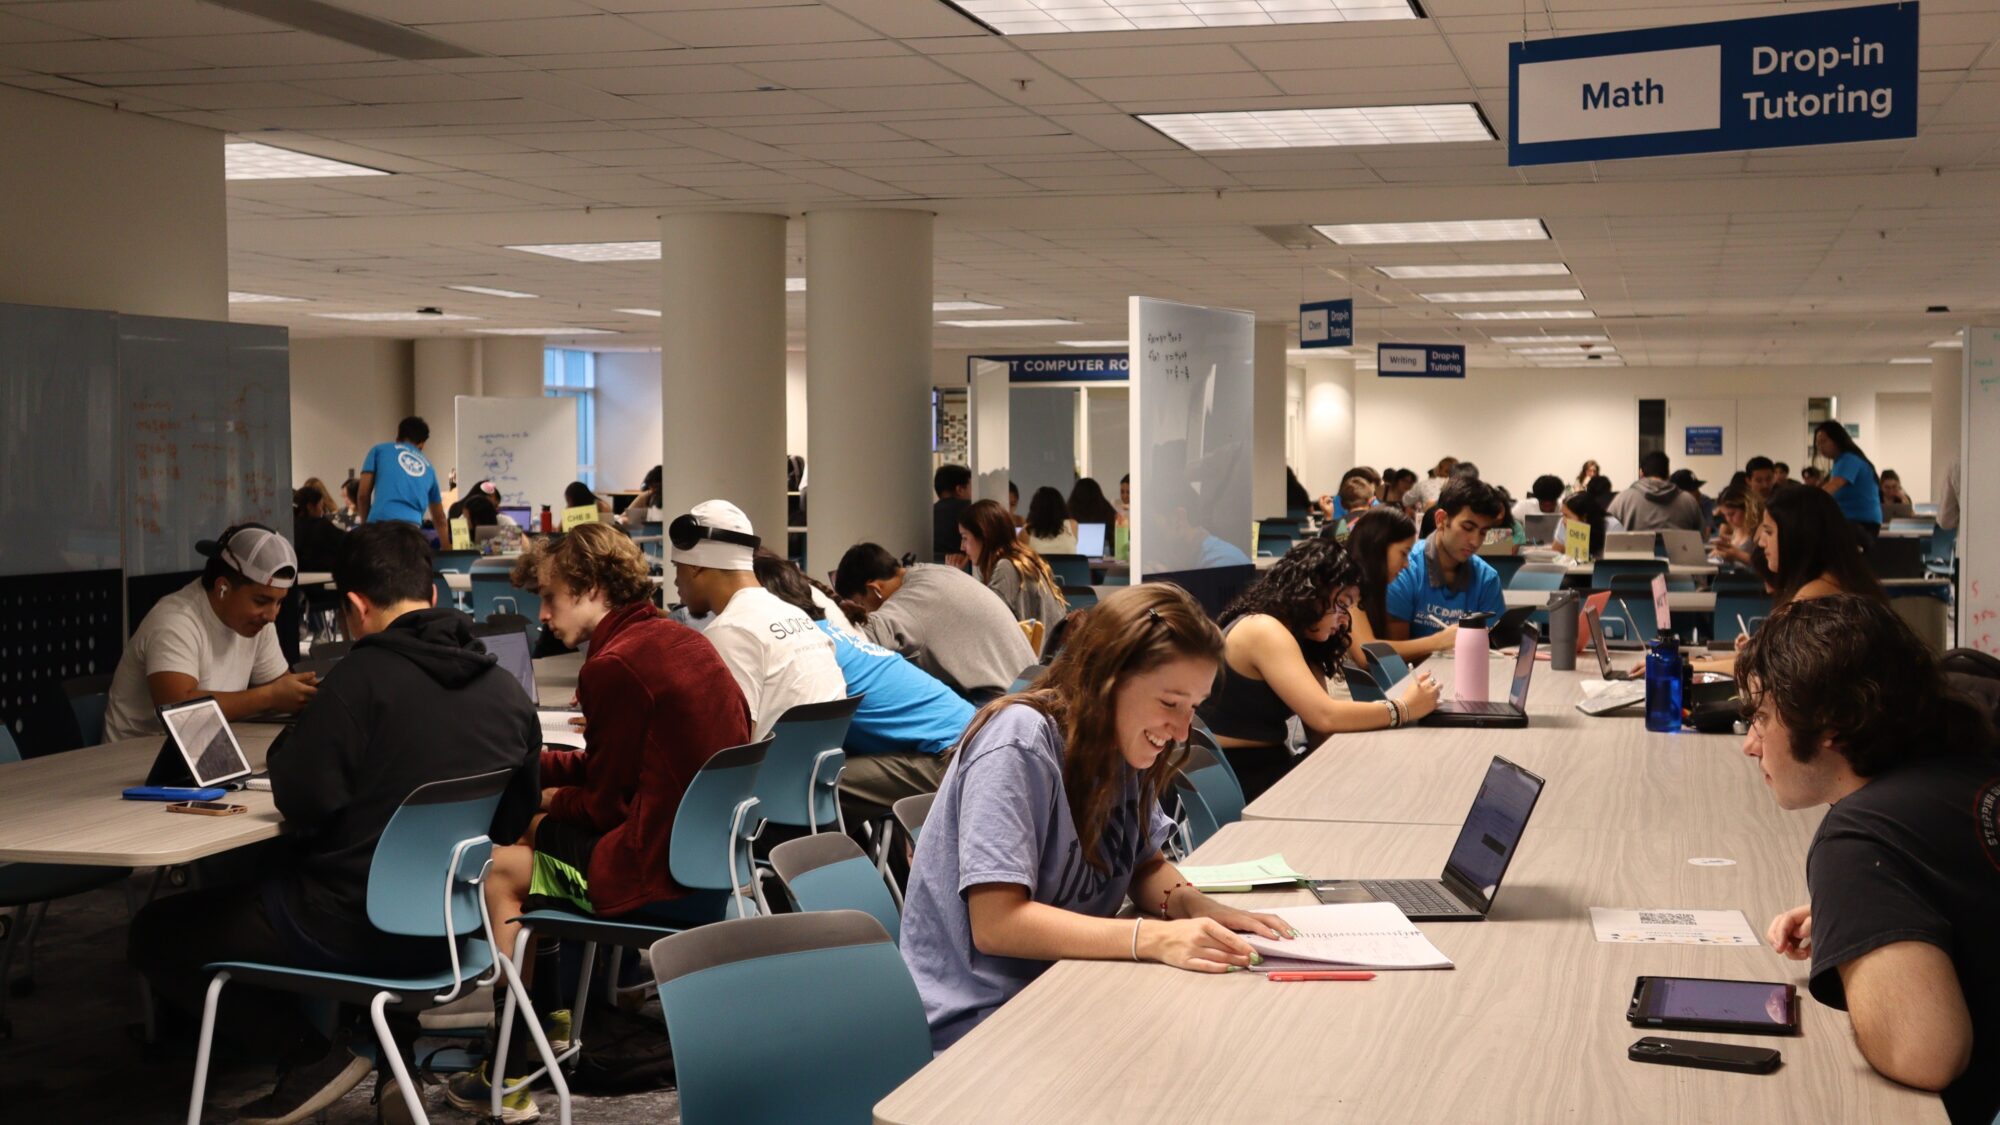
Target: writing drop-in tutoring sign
x=1814, y=78
x=1420, y=361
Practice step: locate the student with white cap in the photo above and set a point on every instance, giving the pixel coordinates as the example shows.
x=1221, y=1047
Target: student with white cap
x=777, y=655
x=213, y=636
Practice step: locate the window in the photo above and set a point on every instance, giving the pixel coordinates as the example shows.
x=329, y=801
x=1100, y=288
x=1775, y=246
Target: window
x=567, y=373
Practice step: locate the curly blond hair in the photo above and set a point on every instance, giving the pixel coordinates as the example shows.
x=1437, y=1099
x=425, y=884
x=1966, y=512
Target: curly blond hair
x=593, y=556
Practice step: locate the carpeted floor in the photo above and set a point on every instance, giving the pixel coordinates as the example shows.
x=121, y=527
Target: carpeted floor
x=75, y=1055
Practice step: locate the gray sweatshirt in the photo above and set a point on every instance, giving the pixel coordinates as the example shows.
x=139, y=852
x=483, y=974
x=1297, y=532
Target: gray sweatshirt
x=1651, y=504
x=950, y=625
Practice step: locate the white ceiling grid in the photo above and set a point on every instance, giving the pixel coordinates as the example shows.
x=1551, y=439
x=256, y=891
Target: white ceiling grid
x=582, y=121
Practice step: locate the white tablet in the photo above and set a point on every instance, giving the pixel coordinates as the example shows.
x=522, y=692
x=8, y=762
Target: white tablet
x=199, y=731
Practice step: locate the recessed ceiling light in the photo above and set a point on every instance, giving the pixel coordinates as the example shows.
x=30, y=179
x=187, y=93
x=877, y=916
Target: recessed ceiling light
x=1582, y=361
x=1431, y=273
x=1319, y=353
x=1530, y=314
x=545, y=332
x=962, y=306
x=1511, y=296
x=1323, y=128
x=1093, y=343
x=251, y=161
x=1560, y=350
x=1911, y=359
x=488, y=292
x=258, y=298
x=1953, y=343
x=1054, y=17
x=639, y=312
x=1549, y=339
x=596, y=251
x=1464, y=230
x=1040, y=322
x=394, y=316
x=795, y=285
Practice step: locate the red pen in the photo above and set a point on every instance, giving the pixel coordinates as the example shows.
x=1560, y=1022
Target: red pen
x=1284, y=976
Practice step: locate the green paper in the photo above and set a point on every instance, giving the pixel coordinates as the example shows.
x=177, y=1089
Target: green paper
x=1236, y=878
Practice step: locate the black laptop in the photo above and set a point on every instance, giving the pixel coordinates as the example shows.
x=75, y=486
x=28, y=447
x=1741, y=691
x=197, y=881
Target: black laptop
x=1511, y=714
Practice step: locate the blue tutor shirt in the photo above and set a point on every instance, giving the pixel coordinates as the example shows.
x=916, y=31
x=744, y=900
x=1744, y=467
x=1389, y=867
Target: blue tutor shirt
x=1420, y=597
x=405, y=484
x=1860, y=499
x=903, y=707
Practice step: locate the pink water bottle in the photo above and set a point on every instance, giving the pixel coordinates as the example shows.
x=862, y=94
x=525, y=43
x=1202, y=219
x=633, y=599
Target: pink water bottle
x=1469, y=664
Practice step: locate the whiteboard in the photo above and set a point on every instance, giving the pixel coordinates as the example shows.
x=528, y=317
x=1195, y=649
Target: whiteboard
x=525, y=446
x=1191, y=437
x=59, y=440
x=207, y=435
x=1979, y=468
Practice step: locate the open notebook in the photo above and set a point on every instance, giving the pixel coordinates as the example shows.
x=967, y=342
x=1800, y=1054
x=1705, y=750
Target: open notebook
x=1357, y=935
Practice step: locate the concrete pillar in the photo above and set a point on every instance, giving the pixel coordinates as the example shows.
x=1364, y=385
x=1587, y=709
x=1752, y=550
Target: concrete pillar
x=1267, y=422
x=868, y=348
x=1329, y=423
x=445, y=367
x=511, y=367
x=722, y=365
x=1947, y=415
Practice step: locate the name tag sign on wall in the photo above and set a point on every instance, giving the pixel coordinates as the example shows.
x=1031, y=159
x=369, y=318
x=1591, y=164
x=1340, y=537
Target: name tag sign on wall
x=577, y=517
x=1814, y=78
x=1327, y=324
x=1420, y=361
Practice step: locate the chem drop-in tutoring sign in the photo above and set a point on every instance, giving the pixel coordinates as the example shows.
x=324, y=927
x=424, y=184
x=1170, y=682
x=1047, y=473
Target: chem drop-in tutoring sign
x=1327, y=324
x=1811, y=78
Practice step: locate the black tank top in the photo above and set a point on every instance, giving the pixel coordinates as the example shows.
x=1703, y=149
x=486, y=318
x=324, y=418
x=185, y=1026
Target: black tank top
x=1243, y=707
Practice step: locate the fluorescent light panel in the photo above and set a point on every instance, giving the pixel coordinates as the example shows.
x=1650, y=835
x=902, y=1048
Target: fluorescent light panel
x=489, y=292
x=1094, y=343
x=1550, y=339
x=962, y=306
x=394, y=316
x=545, y=332
x=1497, y=269
x=639, y=312
x=1056, y=17
x=1530, y=314
x=1607, y=361
x=1511, y=296
x=1461, y=230
x=1224, y=131
x=1952, y=343
x=596, y=251
x=1031, y=322
x=795, y=285
x=258, y=298
x=1560, y=350
x=251, y=161
x=1911, y=359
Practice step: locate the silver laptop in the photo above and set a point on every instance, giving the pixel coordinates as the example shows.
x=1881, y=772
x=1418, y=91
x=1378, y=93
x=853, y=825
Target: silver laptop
x=1508, y=715
x=1684, y=548
x=1541, y=528
x=1486, y=845
x=1628, y=543
x=1090, y=540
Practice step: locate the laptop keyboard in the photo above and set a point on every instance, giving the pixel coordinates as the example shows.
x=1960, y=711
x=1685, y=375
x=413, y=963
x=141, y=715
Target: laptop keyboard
x=1415, y=896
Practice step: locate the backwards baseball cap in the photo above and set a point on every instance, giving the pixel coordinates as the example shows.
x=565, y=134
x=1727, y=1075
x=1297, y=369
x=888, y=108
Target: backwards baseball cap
x=257, y=553
x=1684, y=479
x=716, y=535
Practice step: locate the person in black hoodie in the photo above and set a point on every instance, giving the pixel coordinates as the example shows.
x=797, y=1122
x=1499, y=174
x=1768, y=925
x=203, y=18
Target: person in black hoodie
x=417, y=700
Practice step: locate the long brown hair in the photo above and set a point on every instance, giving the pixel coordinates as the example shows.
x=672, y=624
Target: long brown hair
x=990, y=524
x=1135, y=630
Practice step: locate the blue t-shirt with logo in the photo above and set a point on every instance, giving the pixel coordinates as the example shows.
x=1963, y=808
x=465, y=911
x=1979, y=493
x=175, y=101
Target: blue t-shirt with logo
x=405, y=484
x=1860, y=499
x=1432, y=607
x=1001, y=816
x=903, y=708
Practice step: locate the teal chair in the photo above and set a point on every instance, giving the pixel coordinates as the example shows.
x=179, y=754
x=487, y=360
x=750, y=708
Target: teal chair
x=1505, y=566
x=1751, y=606
x=425, y=881
x=1943, y=550
x=29, y=888
x=88, y=698
x=454, y=562
x=828, y=871
x=1361, y=684
x=1209, y=794
x=911, y=812
x=493, y=592
x=709, y=854
x=789, y=1018
x=1384, y=664
x=1070, y=570
x=799, y=783
x=1080, y=597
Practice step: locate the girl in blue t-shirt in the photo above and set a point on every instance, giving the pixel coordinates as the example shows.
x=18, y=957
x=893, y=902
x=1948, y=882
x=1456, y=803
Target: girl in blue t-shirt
x=1049, y=819
x=1850, y=480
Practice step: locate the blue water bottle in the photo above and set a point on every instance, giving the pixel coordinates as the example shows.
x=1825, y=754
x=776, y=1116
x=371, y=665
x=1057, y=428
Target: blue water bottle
x=1663, y=683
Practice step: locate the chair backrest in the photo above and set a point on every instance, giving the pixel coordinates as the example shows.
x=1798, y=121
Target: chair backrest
x=1384, y=663
x=455, y=562
x=787, y=1018
x=88, y=698
x=1361, y=684
x=1607, y=572
x=1080, y=597
x=1944, y=544
x=1506, y=566
x=413, y=871
x=1209, y=793
x=828, y=871
x=493, y=592
x=1751, y=606
x=1070, y=570
x=707, y=851
x=11, y=753
x=1538, y=576
x=1634, y=594
x=800, y=779
x=911, y=812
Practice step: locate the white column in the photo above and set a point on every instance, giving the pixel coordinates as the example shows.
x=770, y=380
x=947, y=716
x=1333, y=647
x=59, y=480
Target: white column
x=868, y=347
x=722, y=365
x=511, y=367
x=1947, y=416
x=1267, y=423
x=1329, y=423
x=445, y=367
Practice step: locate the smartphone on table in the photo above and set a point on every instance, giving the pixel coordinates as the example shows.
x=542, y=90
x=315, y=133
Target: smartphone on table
x=205, y=808
x=1704, y=1056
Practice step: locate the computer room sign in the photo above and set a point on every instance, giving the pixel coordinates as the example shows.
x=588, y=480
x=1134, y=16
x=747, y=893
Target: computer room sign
x=1812, y=78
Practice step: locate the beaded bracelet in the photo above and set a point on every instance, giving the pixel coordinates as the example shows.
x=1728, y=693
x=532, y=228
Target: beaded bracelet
x=1169, y=896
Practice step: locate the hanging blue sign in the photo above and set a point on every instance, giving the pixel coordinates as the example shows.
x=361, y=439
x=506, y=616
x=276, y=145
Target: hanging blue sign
x=1086, y=367
x=1813, y=78
x=1704, y=441
x=1327, y=324
x=1421, y=361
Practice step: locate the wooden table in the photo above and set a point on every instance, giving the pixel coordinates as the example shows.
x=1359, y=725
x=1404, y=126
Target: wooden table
x=1530, y=1026
x=66, y=808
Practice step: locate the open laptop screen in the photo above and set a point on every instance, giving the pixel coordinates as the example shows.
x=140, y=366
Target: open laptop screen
x=202, y=735
x=1663, y=614
x=1090, y=540
x=1493, y=829
x=511, y=649
x=1524, y=666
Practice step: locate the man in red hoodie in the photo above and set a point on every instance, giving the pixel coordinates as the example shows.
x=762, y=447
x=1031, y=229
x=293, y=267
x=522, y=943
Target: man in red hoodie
x=657, y=701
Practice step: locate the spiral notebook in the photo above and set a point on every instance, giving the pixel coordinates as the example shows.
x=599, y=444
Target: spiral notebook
x=1356, y=935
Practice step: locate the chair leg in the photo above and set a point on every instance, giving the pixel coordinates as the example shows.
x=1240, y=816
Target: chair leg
x=496, y=1068
x=202, y=1046
x=583, y=990
x=379, y=1016
x=515, y=989
x=41, y=915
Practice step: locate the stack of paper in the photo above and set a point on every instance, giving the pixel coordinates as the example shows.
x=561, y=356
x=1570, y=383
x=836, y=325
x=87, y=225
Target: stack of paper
x=1271, y=871
x=557, y=731
x=1360, y=935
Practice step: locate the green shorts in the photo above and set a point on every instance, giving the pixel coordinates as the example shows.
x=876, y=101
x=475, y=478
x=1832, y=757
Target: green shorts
x=560, y=878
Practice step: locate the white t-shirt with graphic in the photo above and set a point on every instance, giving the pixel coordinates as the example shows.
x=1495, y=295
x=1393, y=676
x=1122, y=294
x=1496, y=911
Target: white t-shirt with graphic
x=183, y=634
x=778, y=656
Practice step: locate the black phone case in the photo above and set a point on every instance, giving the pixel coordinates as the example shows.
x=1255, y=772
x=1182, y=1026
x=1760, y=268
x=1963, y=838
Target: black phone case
x=1791, y=1027
x=1705, y=1056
